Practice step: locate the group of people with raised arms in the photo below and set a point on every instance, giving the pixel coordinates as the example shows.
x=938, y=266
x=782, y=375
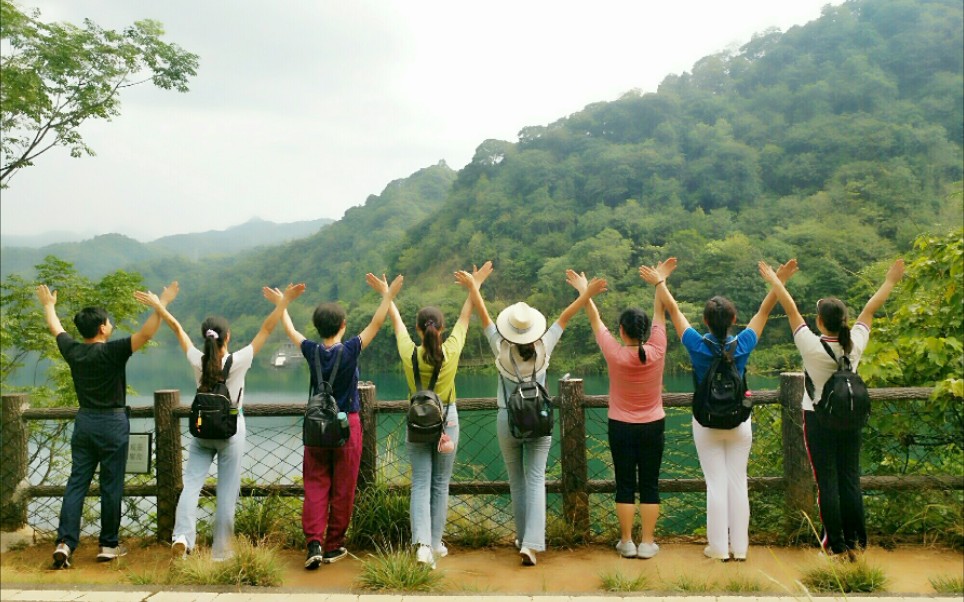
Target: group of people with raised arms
x=521, y=346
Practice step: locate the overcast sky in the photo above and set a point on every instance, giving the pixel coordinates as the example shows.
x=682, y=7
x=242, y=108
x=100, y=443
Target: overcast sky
x=301, y=109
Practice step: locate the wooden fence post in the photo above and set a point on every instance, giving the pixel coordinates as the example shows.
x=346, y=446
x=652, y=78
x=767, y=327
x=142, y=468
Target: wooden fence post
x=797, y=476
x=13, y=452
x=575, y=468
x=167, y=430
x=369, y=422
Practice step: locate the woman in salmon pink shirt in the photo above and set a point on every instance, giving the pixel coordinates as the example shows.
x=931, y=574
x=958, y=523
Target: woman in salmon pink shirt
x=636, y=416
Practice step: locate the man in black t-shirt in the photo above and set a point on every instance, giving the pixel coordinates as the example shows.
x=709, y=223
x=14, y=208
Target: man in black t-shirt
x=101, y=429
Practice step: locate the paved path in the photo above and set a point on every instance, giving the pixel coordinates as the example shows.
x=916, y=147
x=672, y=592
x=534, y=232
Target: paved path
x=152, y=595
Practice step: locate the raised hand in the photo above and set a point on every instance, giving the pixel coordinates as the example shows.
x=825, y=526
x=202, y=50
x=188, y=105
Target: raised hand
x=577, y=280
x=466, y=280
x=650, y=275
x=272, y=294
x=786, y=270
x=45, y=296
x=767, y=272
x=379, y=285
x=396, y=286
x=293, y=291
x=169, y=293
x=149, y=299
x=480, y=274
x=596, y=286
x=896, y=272
x=665, y=268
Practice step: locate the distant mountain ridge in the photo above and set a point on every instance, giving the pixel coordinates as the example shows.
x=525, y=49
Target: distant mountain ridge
x=101, y=254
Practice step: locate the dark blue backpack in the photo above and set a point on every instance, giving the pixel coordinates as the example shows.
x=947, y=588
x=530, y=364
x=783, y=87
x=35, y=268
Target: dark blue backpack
x=720, y=400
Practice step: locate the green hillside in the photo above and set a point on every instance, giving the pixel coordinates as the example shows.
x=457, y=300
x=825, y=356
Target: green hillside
x=836, y=142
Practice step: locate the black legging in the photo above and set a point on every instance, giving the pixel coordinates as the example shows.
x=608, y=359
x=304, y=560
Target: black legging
x=637, y=450
x=835, y=458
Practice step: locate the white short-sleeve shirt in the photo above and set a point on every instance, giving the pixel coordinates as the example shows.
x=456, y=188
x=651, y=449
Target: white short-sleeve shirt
x=816, y=360
x=239, y=368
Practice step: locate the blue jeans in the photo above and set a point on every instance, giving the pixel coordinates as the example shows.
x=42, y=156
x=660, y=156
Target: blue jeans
x=431, y=473
x=100, y=437
x=525, y=461
x=201, y=452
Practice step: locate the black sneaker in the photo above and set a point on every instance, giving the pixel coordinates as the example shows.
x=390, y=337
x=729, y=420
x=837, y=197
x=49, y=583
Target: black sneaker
x=334, y=555
x=62, y=556
x=315, y=557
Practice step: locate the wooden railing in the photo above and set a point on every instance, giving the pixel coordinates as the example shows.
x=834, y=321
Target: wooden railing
x=574, y=483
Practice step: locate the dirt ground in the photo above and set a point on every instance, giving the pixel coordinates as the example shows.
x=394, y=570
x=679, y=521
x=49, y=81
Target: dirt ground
x=499, y=571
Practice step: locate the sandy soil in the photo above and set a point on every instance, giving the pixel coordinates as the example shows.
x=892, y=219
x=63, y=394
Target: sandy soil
x=499, y=571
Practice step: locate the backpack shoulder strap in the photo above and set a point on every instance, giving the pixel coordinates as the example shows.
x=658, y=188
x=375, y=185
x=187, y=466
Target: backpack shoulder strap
x=417, y=374
x=334, y=369
x=515, y=368
x=226, y=369
x=842, y=362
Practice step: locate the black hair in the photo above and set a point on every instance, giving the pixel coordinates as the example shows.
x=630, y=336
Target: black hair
x=431, y=323
x=833, y=314
x=719, y=314
x=328, y=318
x=214, y=330
x=636, y=324
x=89, y=320
x=526, y=351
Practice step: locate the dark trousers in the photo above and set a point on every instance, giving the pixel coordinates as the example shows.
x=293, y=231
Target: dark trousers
x=637, y=450
x=99, y=438
x=835, y=458
x=331, y=477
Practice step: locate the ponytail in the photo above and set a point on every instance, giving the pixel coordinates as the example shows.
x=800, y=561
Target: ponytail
x=719, y=313
x=431, y=323
x=833, y=314
x=636, y=324
x=215, y=331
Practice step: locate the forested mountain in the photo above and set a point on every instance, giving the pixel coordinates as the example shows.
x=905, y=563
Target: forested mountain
x=102, y=254
x=836, y=142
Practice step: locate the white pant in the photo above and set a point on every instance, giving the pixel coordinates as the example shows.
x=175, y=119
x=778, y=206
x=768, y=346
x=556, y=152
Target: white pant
x=723, y=458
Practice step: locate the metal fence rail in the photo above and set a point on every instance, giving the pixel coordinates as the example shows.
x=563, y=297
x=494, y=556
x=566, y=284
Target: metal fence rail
x=35, y=465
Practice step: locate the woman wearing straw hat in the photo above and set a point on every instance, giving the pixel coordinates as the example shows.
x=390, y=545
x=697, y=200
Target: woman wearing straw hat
x=522, y=346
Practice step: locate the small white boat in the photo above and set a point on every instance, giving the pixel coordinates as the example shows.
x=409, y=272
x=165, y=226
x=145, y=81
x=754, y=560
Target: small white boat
x=285, y=356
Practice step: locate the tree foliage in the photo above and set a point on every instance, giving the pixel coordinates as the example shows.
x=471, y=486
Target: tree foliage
x=55, y=76
x=25, y=338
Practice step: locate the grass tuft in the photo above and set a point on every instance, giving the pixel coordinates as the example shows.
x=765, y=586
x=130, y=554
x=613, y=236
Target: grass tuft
x=250, y=565
x=390, y=570
x=741, y=585
x=947, y=585
x=615, y=581
x=379, y=519
x=835, y=576
x=688, y=585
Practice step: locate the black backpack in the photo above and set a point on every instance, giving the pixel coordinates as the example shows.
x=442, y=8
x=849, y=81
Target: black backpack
x=213, y=414
x=426, y=420
x=529, y=406
x=321, y=426
x=720, y=400
x=844, y=402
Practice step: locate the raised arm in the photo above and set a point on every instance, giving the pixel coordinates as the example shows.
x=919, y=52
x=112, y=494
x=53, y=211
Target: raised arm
x=48, y=301
x=160, y=309
x=657, y=277
x=478, y=275
x=782, y=295
x=894, y=274
x=466, y=280
x=759, y=320
x=388, y=293
x=281, y=301
x=579, y=282
x=293, y=335
x=153, y=322
x=586, y=290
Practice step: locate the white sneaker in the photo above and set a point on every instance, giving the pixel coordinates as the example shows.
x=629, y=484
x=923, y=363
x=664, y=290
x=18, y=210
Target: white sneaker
x=711, y=553
x=647, y=550
x=441, y=551
x=107, y=554
x=424, y=556
x=528, y=556
x=626, y=549
x=179, y=548
x=62, y=556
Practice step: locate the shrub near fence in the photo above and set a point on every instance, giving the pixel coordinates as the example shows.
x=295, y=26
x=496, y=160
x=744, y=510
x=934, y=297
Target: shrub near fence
x=35, y=452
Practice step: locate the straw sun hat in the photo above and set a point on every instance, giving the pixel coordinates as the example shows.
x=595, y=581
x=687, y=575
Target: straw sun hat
x=521, y=324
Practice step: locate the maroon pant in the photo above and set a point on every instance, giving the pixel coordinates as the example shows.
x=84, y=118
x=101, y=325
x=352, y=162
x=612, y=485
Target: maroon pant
x=330, y=477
